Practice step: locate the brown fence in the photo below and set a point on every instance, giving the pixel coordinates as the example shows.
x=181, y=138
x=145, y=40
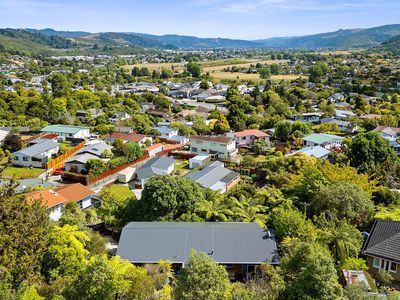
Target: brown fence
x=119, y=168
x=57, y=162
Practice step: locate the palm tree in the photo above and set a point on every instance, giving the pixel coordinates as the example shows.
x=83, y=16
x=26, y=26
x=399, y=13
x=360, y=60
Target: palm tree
x=344, y=241
x=248, y=211
x=214, y=210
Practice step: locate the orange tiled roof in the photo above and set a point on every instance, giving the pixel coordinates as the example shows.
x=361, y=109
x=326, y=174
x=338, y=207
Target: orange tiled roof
x=255, y=132
x=48, y=198
x=74, y=192
x=153, y=147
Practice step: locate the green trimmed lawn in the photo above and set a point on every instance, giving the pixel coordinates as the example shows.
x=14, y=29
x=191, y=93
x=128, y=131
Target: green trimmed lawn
x=121, y=191
x=22, y=173
x=181, y=166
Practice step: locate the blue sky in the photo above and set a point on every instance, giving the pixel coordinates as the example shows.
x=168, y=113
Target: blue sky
x=246, y=19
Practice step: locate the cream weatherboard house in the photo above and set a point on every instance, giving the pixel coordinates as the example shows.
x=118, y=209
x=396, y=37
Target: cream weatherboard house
x=222, y=146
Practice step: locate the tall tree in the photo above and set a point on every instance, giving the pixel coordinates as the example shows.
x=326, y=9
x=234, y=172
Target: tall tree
x=202, y=278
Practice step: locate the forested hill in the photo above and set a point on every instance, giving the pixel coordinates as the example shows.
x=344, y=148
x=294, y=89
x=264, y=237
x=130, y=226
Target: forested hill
x=392, y=45
x=18, y=41
x=349, y=38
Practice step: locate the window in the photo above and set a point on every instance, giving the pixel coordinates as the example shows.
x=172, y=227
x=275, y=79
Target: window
x=16, y=158
x=393, y=267
x=194, y=149
x=25, y=158
x=204, y=150
x=377, y=263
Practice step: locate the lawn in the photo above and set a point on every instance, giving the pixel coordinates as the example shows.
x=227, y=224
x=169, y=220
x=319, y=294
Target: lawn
x=120, y=191
x=181, y=166
x=22, y=173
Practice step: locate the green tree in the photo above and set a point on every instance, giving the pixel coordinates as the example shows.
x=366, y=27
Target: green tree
x=283, y=129
x=94, y=281
x=202, y=278
x=368, y=150
x=194, y=69
x=214, y=209
x=265, y=72
x=166, y=198
x=316, y=73
x=343, y=200
x=221, y=125
x=65, y=253
x=23, y=232
x=12, y=142
x=316, y=278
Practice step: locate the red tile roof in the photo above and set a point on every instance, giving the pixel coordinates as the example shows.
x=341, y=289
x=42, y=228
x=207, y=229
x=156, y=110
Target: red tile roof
x=48, y=198
x=131, y=137
x=74, y=192
x=153, y=147
x=255, y=132
x=62, y=195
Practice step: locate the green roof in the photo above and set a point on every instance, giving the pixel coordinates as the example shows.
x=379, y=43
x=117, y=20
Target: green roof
x=63, y=128
x=320, y=138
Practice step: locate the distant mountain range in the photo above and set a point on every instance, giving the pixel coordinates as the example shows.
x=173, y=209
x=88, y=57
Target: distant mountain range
x=44, y=41
x=348, y=38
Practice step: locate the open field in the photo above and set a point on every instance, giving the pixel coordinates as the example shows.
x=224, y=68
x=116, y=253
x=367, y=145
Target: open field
x=215, y=69
x=120, y=191
x=22, y=173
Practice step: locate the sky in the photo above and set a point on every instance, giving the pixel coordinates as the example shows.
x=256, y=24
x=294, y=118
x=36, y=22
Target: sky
x=243, y=19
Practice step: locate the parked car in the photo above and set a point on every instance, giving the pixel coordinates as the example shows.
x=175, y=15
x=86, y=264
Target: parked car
x=58, y=171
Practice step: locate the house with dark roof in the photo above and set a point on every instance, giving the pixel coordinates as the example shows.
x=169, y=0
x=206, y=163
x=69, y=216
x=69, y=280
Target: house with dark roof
x=382, y=249
x=222, y=146
x=119, y=116
x=240, y=247
x=216, y=177
x=155, y=166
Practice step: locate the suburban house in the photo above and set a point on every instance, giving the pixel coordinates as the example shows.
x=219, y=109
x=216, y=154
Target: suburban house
x=36, y=155
x=312, y=117
x=166, y=132
x=390, y=133
x=68, y=131
x=315, y=151
x=128, y=137
x=96, y=149
x=344, y=126
x=119, y=116
x=355, y=277
x=223, y=146
x=54, y=200
x=344, y=114
x=216, y=177
x=247, y=137
x=382, y=249
x=93, y=113
x=77, y=163
x=199, y=161
x=154, y=149
x=328, y=141
x=155, y=166
x=240, y=247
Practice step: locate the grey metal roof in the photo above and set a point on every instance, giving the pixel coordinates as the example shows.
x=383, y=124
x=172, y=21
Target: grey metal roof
x=230, y=243
x=384, y=240
x=37, y=149
x=154, y=166
x=81, y=158
x=212, y=174
x=95, y=149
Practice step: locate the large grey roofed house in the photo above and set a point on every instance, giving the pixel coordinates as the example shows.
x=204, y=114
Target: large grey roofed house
x=384, y=240
x=211, y=175
x=229, y=243
x=152, y=166
x=37, y=149
x=81, y=158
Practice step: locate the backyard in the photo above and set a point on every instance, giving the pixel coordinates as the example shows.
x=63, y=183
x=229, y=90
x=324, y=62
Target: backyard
x=22, y=173
x=120, y=191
